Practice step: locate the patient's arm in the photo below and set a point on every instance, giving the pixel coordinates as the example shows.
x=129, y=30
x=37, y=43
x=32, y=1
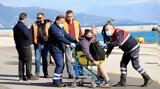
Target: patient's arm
x=85, y=47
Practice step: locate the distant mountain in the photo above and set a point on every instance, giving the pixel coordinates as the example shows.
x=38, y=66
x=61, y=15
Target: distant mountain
x=9, y=16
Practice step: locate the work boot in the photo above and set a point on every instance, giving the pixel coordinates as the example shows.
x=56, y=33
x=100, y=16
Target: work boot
x=24, y=78
x=20, y=77
x=122, y=82
x=147, y=80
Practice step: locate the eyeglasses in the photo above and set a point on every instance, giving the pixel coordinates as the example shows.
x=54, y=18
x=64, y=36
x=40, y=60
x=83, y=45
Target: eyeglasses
x=39, y=17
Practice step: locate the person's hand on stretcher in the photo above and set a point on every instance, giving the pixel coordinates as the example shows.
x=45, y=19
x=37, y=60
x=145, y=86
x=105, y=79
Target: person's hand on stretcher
x=102, y=44
x=96, y=62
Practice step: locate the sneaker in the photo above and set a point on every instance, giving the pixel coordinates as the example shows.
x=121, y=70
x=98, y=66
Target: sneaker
x=32, y=78
x=46, y=76
x=70, y=76
x=108, y=83
x=59, y=85
x=37, y=76
x=99, y=81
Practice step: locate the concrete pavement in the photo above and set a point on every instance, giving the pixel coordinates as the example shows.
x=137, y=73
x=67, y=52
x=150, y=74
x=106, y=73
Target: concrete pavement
x=148, y=59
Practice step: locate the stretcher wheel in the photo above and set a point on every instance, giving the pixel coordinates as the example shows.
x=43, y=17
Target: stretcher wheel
x=93, y=85
x=81, y=82
x=74, y=84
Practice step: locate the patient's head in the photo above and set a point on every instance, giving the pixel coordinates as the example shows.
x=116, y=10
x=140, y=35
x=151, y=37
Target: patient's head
x=88, y=33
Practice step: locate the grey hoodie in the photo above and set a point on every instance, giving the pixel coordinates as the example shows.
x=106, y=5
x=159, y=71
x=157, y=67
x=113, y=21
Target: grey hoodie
x=85, y=45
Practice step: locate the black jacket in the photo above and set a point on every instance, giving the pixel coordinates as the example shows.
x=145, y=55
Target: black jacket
x=22, y=35
x=129, y=45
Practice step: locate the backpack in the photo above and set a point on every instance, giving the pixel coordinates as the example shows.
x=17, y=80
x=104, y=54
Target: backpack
x=96, y=51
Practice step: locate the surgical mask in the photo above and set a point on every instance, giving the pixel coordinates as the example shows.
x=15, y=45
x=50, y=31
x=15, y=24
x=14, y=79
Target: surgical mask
x=61, y=25
x=88, y=38
x=108, y=33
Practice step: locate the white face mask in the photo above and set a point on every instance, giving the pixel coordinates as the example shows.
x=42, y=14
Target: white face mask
x=61, y=25
x=108, y=33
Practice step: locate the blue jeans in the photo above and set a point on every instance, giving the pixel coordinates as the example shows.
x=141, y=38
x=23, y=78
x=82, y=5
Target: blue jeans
x=68, y=54
x=41, y=51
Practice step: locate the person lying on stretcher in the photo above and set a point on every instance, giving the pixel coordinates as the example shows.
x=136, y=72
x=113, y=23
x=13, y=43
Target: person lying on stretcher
x=86, y=41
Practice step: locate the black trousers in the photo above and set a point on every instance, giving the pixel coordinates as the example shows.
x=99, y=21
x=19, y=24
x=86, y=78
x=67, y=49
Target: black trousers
x=25, y=61
x=132, y=56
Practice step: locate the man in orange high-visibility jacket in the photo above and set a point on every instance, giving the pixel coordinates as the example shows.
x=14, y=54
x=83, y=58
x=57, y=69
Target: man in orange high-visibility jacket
x=40, y=39
x=72, y=27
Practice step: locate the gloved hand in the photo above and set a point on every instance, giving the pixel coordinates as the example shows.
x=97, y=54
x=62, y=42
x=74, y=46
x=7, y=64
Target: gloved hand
x=103, y=45
x=73, y=45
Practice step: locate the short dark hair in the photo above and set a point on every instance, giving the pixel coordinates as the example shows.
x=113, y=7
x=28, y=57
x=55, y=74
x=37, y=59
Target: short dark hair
x=22, y=16
x=69, y=11
x=40, y=13
x=87, y=31
x=59, y=17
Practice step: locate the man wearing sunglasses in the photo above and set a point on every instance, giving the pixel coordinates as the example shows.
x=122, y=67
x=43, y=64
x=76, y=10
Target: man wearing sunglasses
x=40, y=38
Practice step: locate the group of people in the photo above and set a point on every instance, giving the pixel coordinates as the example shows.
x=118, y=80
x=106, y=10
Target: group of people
x=46, y=37
x=59, y=38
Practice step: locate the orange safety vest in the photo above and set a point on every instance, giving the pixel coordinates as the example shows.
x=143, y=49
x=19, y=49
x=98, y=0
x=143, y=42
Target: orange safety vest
x=35, y=30
x=76, y=28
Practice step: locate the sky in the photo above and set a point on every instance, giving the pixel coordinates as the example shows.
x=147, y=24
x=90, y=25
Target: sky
x=149, y=8
x=76, y=5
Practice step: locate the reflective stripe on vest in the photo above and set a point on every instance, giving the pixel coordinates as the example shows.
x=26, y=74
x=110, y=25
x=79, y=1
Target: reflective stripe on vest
x=35, y=30
x=76, y=28
x=125, y=36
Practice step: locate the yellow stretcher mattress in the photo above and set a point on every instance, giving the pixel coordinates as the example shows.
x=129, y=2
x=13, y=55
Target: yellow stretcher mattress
x=82, y=58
